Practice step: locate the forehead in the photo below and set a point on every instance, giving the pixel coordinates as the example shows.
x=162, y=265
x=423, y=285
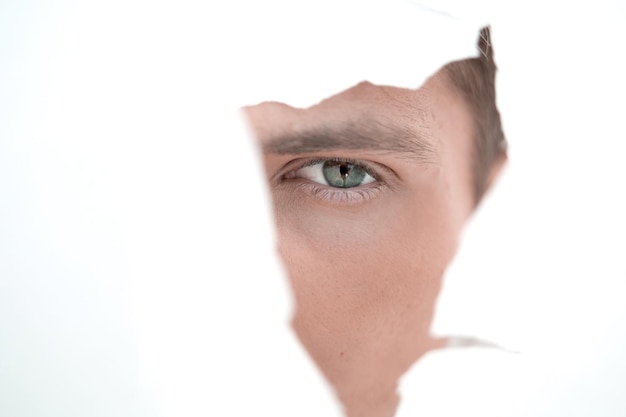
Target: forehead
x=361, y=107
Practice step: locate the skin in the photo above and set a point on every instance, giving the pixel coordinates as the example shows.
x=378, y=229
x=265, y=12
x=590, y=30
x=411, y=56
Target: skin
x=366, y=263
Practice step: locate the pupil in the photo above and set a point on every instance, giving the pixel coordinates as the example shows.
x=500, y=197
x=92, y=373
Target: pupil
x=343, y=170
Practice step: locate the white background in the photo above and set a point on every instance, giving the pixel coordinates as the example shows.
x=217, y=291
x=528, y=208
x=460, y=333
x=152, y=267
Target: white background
x=137, y=274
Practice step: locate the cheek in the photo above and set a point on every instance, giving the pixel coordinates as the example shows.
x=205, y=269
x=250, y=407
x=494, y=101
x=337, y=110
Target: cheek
x=351, y=268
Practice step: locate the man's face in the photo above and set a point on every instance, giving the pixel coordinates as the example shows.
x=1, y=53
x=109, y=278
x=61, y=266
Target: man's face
x=371, y=188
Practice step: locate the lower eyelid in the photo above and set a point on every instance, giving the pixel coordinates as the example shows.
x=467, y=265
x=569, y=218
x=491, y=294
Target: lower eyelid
x=354, y=195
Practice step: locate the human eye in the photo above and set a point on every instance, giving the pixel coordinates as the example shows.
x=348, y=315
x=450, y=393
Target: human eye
x=337, y=179
x=336, y=174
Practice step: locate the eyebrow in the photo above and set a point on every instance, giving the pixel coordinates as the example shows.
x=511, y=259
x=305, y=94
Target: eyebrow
x=389, y=138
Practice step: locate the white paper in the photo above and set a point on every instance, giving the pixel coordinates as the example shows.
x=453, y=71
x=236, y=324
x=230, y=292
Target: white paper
x=137, y=271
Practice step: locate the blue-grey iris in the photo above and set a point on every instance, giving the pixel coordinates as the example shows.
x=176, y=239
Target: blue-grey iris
x=343, y=174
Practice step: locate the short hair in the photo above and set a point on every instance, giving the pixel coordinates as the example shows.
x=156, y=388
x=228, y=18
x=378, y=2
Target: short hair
x=474, y=78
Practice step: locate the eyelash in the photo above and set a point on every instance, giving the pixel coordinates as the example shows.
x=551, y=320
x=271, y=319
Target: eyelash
x=353, y=195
